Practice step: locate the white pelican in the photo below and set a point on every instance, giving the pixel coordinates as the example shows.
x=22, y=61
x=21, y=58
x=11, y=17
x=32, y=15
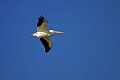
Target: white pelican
x=44, y=34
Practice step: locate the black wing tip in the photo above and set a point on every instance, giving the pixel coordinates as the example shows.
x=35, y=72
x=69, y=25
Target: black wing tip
x=41, y=17
x=45, y=43
x=40, y=20
x=47, y=50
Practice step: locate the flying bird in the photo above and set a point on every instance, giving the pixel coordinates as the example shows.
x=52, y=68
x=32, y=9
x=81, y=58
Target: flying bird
x=44, y=34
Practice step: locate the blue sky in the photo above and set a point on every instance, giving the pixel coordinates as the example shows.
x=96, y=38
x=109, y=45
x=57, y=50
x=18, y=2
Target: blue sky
x=89, y=49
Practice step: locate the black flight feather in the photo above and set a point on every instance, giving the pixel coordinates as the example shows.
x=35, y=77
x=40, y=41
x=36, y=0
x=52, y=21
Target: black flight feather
x=46, y=45
x=40, y=21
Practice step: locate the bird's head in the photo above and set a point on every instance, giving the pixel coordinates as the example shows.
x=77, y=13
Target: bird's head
x=34, y=34
x=56, y=32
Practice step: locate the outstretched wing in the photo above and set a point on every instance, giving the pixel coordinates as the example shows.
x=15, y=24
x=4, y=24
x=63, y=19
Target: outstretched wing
x=42, y=24
x=47, y=43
